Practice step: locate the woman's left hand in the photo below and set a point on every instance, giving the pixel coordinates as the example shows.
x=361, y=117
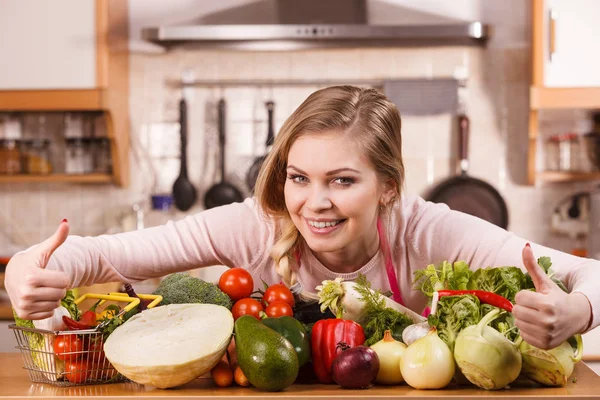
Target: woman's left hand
x=548, y=316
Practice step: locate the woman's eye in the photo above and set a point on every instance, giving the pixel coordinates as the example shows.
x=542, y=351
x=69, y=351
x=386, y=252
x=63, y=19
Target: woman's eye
x=297, y=178
x=344, y=181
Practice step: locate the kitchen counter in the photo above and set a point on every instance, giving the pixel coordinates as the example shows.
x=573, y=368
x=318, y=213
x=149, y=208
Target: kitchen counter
x=15, y=383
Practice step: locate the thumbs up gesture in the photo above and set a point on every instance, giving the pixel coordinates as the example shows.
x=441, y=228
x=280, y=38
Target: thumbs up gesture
x=548, y=316
x=34, y=291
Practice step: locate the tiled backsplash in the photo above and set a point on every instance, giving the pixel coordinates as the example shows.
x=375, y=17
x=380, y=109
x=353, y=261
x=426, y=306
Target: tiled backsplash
x=496, y=102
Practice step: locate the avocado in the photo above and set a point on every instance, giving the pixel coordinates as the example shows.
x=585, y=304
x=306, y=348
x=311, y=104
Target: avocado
x=268, y=360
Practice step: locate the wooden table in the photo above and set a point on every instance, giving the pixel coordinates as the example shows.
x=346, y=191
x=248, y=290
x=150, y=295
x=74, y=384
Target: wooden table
x=15, y=383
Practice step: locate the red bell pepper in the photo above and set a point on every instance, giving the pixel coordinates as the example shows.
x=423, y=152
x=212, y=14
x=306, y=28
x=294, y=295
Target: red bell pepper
x=325, y=336
x=490, y=298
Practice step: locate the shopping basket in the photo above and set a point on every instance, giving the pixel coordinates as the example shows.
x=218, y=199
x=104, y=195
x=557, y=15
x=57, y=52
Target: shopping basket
x=69, y=358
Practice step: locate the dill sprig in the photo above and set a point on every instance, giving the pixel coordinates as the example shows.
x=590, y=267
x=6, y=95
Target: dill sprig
x=377, y=317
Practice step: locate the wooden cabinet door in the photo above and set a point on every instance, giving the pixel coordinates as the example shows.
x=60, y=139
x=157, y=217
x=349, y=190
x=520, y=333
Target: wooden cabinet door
x=47, y=44
x=571, y=49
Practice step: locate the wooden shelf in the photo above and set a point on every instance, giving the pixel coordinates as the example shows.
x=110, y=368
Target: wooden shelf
x=57, y=178
x=558, y=176
x=564, y=98
x=51, y=100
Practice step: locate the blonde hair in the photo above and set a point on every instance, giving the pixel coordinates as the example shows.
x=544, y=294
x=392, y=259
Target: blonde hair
x=366, y=116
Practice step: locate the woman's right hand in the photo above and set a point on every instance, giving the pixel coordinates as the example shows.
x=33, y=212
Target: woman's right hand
x=34, y=291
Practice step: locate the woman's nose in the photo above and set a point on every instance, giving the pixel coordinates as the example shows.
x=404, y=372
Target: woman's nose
x=319, y=199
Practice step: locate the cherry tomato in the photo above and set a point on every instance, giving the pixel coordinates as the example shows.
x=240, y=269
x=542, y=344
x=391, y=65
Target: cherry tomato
x=246, y=306
x=278, y=292
x=237, y=283
x=278, y=309
x=64, y=344
x=77, y=371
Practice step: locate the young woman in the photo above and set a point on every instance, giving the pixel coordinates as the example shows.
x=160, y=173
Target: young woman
x=328, y=204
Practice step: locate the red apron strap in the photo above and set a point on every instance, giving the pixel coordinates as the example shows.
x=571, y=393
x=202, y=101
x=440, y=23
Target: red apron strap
x=389, y=264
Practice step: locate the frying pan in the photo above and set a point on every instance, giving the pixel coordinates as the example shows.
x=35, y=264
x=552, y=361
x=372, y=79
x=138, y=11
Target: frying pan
x=467, y=194
x=223, y=192
x=184, y=193
x=252, y=174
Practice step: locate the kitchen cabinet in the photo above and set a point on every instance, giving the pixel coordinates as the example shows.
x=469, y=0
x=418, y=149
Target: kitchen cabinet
x=47, y=44
x=68, y=55
x=569, y=43
x=565, y=67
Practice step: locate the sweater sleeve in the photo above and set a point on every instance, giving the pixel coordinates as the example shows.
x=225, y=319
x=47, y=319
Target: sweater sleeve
x=437, y=233
x=236, y=235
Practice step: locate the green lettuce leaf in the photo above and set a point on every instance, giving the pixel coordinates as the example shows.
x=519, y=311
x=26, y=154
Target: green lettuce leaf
x=442, y=276
x=505, y=281
x=454, y=313
x=68, y=302
x=546, y=264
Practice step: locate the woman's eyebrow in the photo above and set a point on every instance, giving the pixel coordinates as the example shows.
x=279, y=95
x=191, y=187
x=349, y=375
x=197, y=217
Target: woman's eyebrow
x=333, y=172
x=345, y=169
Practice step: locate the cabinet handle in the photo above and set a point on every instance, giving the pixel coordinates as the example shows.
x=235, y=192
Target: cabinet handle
x=552, y=32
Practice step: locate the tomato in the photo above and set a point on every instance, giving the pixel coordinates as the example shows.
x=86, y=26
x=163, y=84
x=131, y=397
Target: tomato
x=95, y=351
x=237, y=283
x=64, y=344
x=278, y=292
x=278, y=309
x=246, y=306
x=77, y=371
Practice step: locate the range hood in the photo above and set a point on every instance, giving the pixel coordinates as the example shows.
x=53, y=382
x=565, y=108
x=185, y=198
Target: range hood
x=297, y=24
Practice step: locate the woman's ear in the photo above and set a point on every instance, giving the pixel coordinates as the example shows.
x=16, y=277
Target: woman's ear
x=389, y=192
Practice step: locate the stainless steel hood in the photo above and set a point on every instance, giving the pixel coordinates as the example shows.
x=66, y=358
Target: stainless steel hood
x=296, y=24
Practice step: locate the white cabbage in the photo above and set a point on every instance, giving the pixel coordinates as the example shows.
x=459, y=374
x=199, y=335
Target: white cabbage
x=170, y=345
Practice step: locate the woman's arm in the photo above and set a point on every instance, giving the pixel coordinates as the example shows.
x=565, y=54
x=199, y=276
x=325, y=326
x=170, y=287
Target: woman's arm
x=233, y=235
x=438, y=233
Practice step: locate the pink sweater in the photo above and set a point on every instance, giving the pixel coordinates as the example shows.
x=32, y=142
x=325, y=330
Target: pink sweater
x=238, y=235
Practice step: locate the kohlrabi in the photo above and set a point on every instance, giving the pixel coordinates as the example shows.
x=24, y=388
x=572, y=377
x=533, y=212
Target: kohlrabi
x=551, y=367
x=485, y=356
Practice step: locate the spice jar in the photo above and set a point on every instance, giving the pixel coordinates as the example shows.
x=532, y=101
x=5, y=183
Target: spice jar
x=36, y=156
x=10, y=157
x=79, y=158
x=569, y=152
x=552, y=154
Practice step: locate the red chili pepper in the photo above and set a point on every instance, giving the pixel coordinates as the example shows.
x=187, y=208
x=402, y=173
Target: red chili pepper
x=325, y=336
x=75, y=325
x=88, y=318
x=483, y=296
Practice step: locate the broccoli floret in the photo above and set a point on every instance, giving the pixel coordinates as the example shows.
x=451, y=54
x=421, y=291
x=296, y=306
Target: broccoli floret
x=181, y=288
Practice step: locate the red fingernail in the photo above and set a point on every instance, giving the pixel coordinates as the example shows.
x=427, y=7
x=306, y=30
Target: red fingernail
x=528, y=245
x=64, y=220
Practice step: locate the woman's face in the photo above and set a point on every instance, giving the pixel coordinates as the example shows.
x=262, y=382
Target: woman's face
x=332, y=192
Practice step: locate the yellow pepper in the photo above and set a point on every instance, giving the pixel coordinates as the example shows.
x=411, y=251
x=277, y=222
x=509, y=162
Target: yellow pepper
x=105, y=314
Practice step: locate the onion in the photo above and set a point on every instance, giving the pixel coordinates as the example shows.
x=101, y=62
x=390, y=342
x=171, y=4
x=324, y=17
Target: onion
x=389, y=351
x=356, y=367
x=428, y=363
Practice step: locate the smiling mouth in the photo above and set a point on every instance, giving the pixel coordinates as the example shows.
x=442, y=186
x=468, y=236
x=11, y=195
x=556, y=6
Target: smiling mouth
x=322, y=224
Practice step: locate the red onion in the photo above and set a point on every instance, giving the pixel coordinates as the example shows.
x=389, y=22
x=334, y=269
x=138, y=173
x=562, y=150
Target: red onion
x=356, y=367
